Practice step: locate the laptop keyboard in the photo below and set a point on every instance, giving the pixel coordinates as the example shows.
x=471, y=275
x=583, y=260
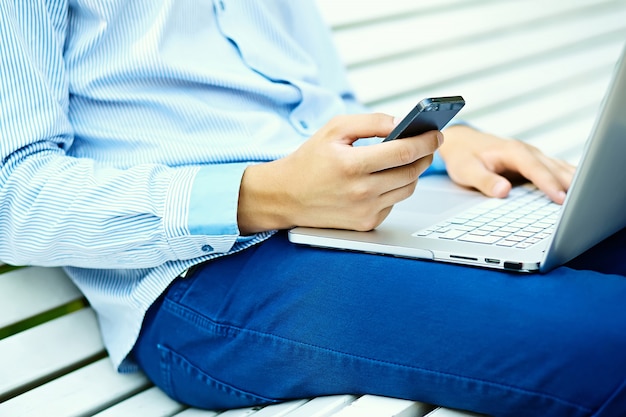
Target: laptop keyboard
x=523, y=219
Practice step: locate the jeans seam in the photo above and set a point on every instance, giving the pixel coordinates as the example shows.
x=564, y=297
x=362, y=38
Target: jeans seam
x=195, y=372
x=600, y=411
x=165, y=369
x=221, y=328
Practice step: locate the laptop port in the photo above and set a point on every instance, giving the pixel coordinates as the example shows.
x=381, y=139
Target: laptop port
x=492, y=261
x=517, y=266
x=467, y=258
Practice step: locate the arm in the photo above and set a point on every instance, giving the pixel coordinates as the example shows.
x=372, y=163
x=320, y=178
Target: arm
x=61, y=210
x=329, y=183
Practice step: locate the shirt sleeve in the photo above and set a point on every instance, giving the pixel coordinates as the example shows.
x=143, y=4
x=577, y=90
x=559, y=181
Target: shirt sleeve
x=438, y=166
x=61, y=210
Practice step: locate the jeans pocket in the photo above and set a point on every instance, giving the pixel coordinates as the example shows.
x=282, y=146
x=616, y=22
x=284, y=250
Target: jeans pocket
x=188, y=383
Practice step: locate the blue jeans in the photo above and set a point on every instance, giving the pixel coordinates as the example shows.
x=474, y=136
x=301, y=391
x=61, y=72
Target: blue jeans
x=280, y=321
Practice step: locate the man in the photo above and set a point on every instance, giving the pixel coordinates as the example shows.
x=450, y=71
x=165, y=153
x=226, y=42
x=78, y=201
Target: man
x=153, y=148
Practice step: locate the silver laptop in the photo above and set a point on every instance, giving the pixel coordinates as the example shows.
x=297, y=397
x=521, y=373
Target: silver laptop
x=524, y=232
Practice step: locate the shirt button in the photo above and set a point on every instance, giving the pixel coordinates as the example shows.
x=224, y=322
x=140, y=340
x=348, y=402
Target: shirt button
x=207, y=248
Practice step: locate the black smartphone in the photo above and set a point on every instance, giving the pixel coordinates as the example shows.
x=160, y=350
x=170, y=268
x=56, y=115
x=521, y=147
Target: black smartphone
x=429, y=114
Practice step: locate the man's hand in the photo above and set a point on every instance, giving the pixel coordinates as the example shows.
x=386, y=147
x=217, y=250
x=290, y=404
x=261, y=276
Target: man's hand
x=329, y=183
x=487, y=163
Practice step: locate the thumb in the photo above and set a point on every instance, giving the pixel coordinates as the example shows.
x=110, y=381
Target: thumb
x=349, y=128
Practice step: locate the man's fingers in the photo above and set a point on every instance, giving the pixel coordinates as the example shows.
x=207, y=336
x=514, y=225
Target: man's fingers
x=473, y=173
x=399, y=152
x=483, y=161
x=564, y=172
x=406, y=175
x=551, y=176
x=346, y=129
x=491, y=184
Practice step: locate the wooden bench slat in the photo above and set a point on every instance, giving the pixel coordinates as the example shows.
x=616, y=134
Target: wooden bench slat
x=336, y=406
x=48, y=350
x=274, y=410
x=323, y=406
x=278, y=410
x=239, y=412
x=416, y=34
x=405, y=76
x=152, y=402
x=564, y=141
x=447, y=412
x=27, y=292
x=384, y=407
x=541, y=108
x=346, y=13
x=82, y=392
x=195, y=412
x=514, y=120
x=503, y=88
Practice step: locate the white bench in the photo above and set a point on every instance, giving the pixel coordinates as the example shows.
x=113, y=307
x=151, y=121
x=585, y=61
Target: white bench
x=531, y=69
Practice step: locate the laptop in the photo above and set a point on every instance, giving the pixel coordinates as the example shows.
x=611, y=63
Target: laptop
x=524, y=232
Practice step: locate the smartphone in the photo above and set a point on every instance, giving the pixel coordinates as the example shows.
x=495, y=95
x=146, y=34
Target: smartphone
x=429, y=114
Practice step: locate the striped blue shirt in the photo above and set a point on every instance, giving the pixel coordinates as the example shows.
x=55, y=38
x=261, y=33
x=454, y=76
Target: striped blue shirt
x=125, y=128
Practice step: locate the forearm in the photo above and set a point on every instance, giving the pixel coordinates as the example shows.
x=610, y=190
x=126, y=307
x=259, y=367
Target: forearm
x=59, y=210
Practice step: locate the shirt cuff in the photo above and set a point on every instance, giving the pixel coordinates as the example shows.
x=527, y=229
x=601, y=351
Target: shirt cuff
x=438, y=166
x=214, y=200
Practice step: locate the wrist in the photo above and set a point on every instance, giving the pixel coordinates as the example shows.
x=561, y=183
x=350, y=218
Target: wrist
x=455, y=134
x=261, y=205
